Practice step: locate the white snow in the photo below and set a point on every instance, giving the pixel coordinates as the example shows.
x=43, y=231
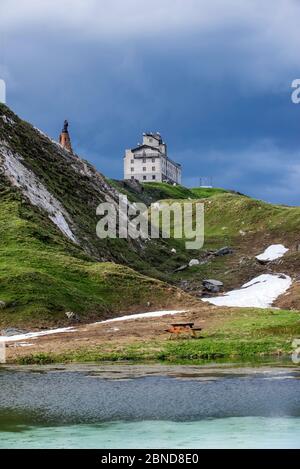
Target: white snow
x=151, y=314
x=275, y=251
x=260, y=292
x=36, y=192
x=34, y=335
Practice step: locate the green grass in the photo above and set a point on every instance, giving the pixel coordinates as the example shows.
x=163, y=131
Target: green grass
x=42, y=275
x=241, y=334
x=154, y=191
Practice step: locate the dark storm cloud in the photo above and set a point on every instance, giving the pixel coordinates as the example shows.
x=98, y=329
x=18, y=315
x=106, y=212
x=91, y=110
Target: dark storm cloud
x=212, y=76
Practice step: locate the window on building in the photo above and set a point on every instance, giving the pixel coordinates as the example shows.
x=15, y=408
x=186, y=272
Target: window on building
x=150, y=139
x=144, y=160
x=153, y=168
x=144, y=177
x=132, y=169
x=153, y=177
x=153, y=160
x=132, y=178
x=144, y=168
x=132, y=161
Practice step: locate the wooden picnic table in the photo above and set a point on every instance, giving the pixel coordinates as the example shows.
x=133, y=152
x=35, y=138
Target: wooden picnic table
x=183, y=328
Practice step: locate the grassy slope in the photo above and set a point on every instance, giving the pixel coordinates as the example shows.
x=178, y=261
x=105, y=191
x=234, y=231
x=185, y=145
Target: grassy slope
x=248, y=226
x=154, y=191
x=42, y=275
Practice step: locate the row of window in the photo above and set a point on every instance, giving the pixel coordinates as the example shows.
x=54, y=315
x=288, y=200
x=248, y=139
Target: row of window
x=144, y=160
x=144, y=169
x=145, y=177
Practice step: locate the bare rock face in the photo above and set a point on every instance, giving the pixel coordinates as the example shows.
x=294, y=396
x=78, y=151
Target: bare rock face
x=213, y=286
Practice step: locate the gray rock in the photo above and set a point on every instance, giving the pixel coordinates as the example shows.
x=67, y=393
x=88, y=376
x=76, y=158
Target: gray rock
x=263, y=261
x=212, y=285
x=2, y=304
x=224, y=251
x=72, y=316
x=194, y=262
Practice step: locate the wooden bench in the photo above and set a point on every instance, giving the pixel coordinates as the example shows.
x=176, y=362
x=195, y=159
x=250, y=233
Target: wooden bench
x=183, y=328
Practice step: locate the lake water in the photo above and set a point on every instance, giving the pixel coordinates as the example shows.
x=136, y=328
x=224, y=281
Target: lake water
x=128, y=407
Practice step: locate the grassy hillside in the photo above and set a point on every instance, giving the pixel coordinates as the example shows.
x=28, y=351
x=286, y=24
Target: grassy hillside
x=43, y=275
x=154, y=191
x=248, y=226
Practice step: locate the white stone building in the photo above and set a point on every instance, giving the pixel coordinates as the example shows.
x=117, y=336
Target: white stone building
x=149, y=162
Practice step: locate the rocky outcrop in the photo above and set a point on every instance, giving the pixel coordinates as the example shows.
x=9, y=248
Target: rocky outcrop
x=213, y=286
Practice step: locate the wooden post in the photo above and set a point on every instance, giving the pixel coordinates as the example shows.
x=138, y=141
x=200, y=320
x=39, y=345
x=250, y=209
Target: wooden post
x=2, y=352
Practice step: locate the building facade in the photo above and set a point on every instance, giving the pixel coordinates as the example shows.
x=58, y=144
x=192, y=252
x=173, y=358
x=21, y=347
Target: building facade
x=149, y=162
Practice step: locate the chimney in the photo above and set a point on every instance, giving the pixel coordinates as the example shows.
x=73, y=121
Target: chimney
x=64, y=138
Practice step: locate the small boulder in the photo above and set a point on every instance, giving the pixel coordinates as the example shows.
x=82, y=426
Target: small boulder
x=224, y=251
x=194, y=262
x=173, y=251
x=72, y=316
x=2, y=304
x=214, y=286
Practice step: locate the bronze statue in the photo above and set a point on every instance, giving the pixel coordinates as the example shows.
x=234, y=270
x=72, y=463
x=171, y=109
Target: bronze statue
x=66, y=125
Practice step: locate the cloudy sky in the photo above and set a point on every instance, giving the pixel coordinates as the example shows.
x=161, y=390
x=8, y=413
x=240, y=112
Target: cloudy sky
x=213, y=76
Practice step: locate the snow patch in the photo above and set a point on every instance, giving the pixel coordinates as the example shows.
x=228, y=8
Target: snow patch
x=36, y=192
x=151, y=314
x=261, y=292
x=34, y=335
x=275, y=251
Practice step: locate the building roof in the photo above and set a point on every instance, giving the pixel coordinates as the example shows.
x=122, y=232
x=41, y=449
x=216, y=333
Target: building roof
x=155, y=135
x=145, y=146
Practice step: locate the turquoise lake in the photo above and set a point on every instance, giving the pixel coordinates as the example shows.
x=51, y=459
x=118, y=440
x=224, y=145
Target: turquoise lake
x=180, y=407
